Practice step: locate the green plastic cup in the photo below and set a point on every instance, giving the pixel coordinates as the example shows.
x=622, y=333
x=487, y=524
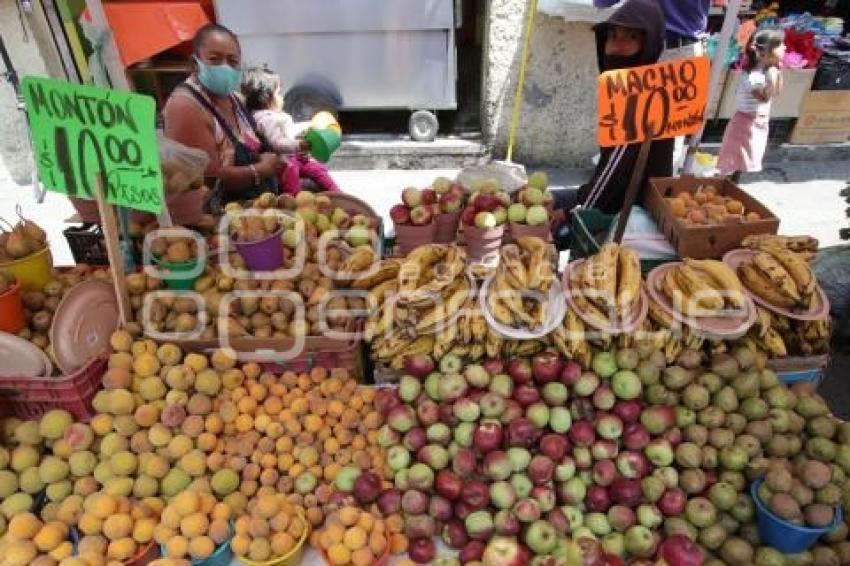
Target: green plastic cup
x=323, y=143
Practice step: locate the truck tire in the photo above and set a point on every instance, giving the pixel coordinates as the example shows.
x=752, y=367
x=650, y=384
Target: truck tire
x=423, y=126
x=304, y=100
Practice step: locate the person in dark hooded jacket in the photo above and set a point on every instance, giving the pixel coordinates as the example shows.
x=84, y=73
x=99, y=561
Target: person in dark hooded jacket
x=631, y=37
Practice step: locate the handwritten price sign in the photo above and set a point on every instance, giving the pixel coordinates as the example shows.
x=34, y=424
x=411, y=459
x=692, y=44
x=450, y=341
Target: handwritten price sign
x=658, y=101
x=82, y=132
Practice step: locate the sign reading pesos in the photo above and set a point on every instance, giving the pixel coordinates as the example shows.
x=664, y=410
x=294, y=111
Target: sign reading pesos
x=80, y=132
x=660, y=101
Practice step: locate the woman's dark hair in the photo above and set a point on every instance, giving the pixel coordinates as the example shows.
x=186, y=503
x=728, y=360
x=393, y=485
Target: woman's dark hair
x=258, y=86
x=761, y=41
x=203, y=33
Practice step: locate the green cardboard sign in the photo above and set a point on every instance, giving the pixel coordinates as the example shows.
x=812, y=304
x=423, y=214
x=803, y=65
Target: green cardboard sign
x=80, y=132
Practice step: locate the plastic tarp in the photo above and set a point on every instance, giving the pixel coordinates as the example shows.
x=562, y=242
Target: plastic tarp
x=145, y=29
x=831, y=268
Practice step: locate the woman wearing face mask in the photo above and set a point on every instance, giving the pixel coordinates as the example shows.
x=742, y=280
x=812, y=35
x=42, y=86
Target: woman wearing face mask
x=204, y=112
x=631, y=37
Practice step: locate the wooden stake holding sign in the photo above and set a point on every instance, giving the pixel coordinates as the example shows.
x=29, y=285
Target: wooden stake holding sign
x=653, y=102
x=98, y=144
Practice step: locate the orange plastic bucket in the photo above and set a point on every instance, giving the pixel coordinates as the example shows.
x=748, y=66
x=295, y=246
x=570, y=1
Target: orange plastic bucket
x=12, y=310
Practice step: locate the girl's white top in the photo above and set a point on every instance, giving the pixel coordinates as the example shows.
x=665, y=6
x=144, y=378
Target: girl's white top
x=744, y=99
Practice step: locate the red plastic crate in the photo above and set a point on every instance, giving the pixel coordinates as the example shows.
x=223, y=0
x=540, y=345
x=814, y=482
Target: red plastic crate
x=29, y=398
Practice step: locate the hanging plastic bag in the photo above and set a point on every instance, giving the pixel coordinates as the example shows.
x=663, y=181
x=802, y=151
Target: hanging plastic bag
x=182, y=167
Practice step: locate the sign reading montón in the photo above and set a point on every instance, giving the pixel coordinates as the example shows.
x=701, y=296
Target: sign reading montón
x=81, y=132
x=658, y=101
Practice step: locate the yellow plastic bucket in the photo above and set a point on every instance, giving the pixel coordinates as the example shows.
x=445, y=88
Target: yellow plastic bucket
x=325, y=121
x=293, y=557
x=32, y=272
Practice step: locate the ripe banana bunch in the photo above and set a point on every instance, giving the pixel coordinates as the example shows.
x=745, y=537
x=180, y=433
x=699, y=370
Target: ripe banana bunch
x=570, y=339
x=799, y=244
x=703, y=287
x=607, y=283
x=780, y=277
x=780, y=336
x=518, y=295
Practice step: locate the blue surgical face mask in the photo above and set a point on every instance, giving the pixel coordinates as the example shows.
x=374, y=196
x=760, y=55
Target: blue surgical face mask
x=221, y=80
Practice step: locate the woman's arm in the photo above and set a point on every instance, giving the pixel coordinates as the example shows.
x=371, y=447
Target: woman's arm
x=189, y=124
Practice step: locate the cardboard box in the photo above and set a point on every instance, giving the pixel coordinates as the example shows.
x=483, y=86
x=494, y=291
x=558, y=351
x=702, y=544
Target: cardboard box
x=824, y=118
x=705, y=241
x=797, y=84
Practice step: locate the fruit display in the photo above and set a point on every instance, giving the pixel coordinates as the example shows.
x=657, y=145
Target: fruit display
x=31, y=541
x=487, y=207
x=353, y=536
x=531, y=204
x=707, y=207
x=608, y=282
x=703, y=288
x=114, y=527
x=419, y=207
x=781, y=278
x=805, y=246
x=518, y=294
x=193, y=525
x=804, y=493
x=781, y=336
x=271, y=528
x=177, y=246
x=20, y=240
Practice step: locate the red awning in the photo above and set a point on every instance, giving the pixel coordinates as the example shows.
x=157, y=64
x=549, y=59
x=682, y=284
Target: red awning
x=145, y=29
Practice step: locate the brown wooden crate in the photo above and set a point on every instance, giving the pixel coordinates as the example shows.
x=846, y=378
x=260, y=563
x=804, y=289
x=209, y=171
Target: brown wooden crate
x=705, y=242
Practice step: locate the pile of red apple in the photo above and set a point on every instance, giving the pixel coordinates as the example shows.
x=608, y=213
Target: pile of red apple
x=419, y=207
x=487, y=207
x=538, y=461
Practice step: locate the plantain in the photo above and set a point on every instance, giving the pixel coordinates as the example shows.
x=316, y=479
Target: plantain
x=628, y=272
x=464, y=323
x=460, y=350
x=512, y=266
x=608, y=255
x=493, y=344
x=529, y=348
x=773, y=343
x=660, y=316
x=359, y=260
x=440, y=277
x=379, y=294
x=723, y=277
x=421, y=345
x=764, y=321
x=387, y=270
x=758, y=284
x=697, y=290
x=476, y=352
x=778, y=276
x=797, y=268
x=444, y=340
x=500, y=312
x=530, y=244
x=510, y=298
x=479, y=324
x=594, y=316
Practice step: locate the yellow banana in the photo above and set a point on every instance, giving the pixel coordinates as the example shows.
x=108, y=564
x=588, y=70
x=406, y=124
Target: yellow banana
x=460, y=350
x=421, y=345
x=760, y=285
x=531, y=243
x=493, y=344
x=513, y=267
x=476, y=352
x=445, y=340
x=388, y=269
x=479, y=325
x=797, y=268
x=764, y=321
x=381, y=292
x=696, y=289
x=777, y=275
x=774, y=344
x=723, y=277
x=628, y=286
x=659, y=316
x=359, y=260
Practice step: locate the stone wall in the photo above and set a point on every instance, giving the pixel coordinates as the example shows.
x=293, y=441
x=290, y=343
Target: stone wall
x=557, y=124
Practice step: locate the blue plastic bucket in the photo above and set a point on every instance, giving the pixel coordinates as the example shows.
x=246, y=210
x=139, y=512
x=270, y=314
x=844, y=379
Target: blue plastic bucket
x=784, y=536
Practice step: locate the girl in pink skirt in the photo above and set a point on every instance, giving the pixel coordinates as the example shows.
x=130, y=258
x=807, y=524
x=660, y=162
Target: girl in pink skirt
x=745, y=138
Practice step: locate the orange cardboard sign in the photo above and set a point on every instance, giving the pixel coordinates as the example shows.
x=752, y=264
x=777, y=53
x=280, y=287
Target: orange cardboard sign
x=660, y=101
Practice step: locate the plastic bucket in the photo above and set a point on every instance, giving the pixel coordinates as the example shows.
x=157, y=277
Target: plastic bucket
x=447, y=223
x=12, y=318
x=265, y=254
x=408, y=238
x=325, y=121
x=483, y=243
x=32, y=272
x=518, y=230
x=292, y=558
x=177, y=280
x=323, y=143
x=381, y=560
x=784, y=536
